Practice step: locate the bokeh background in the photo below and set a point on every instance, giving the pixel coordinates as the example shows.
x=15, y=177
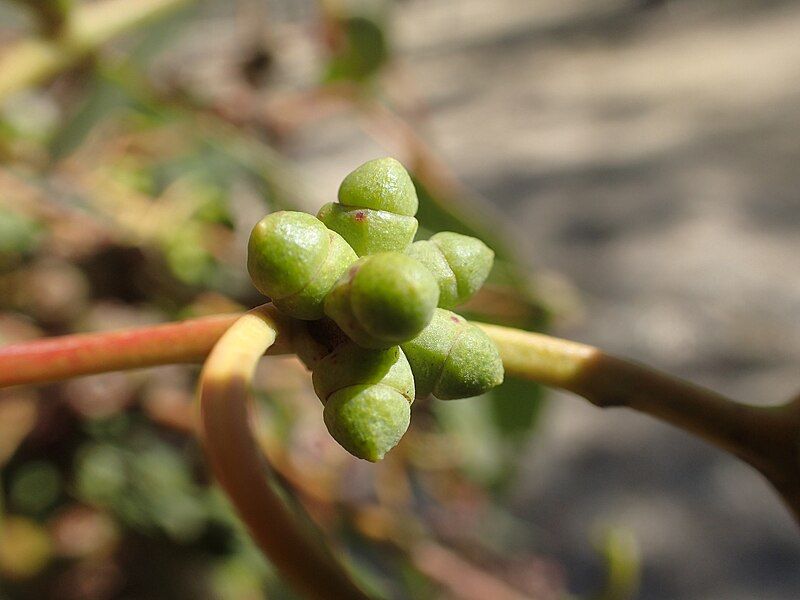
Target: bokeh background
x=634, y=164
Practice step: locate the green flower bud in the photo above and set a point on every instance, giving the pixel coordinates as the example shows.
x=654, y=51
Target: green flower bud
x=460, y=264
x=350, y=364
x=367, y=396
x=380, y=184
x=383, y=300
x=452, y=359
x=377, y=204
x=367, y=420
x=295, y=260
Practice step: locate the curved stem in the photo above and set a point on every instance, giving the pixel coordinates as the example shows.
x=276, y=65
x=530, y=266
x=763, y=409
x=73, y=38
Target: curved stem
x=242, y=470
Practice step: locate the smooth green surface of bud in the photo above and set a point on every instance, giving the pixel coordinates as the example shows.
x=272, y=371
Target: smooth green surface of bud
x=429, y=254
x=452, y=359
x=350, y=365
x=295, y=260
x=307, y=303
x=473, y=366
x=383, y=300
x=468, y=257
x=367, y=420
x=380, y=184
x=460, y=264
x=285, y=250
x=369, y=231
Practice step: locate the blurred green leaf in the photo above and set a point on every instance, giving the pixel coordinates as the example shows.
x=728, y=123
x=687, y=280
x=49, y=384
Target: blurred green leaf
x=476, y=439
x=515, y=407
x=491, y=430
x=362, y=51
x=35, y=487
x=146, y=482
x=102, y=97
x=19, y=235
x=188, y=257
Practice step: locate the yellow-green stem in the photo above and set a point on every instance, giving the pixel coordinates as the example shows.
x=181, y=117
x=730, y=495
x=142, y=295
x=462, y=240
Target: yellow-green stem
x=766, y=437
x=241, y=468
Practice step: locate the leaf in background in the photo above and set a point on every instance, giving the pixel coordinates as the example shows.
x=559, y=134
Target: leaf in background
x=159, y=34
x=508, y=297
x=103, y=97
x=475, y=440
x=19, y=236
x=515, y=408
x=489, y=431
x=34, y=487
x=360, y=50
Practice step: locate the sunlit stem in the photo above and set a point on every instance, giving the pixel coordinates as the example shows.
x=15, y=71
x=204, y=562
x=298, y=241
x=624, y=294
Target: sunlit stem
x=240, y=467
x=766, y=437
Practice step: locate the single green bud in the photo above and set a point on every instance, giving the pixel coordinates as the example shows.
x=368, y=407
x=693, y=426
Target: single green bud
x=367, y=420
x=367, y=396
x=452, y=359
x=380, y=184
x=295, y=260
x=383, y=300
x=460, y=264
x=377, y=204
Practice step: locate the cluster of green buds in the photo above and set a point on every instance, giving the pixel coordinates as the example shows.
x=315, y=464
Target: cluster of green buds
x=376, y=332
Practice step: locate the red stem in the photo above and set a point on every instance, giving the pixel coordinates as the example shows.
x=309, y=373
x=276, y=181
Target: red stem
x=40, y=361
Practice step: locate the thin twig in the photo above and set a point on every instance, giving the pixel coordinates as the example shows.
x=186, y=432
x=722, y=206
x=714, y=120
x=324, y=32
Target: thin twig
x=51, y=359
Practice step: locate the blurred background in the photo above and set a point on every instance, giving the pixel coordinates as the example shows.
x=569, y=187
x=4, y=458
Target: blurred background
x=633, y=163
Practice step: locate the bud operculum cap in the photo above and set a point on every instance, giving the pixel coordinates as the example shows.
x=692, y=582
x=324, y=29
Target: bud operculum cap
x=383, y=300
x=452, y=359
x=284, y=252
x=380, y=184
x=367, y=420
x=473, y=366
x=459, y=262
x=367, y=396
x=469, y=258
